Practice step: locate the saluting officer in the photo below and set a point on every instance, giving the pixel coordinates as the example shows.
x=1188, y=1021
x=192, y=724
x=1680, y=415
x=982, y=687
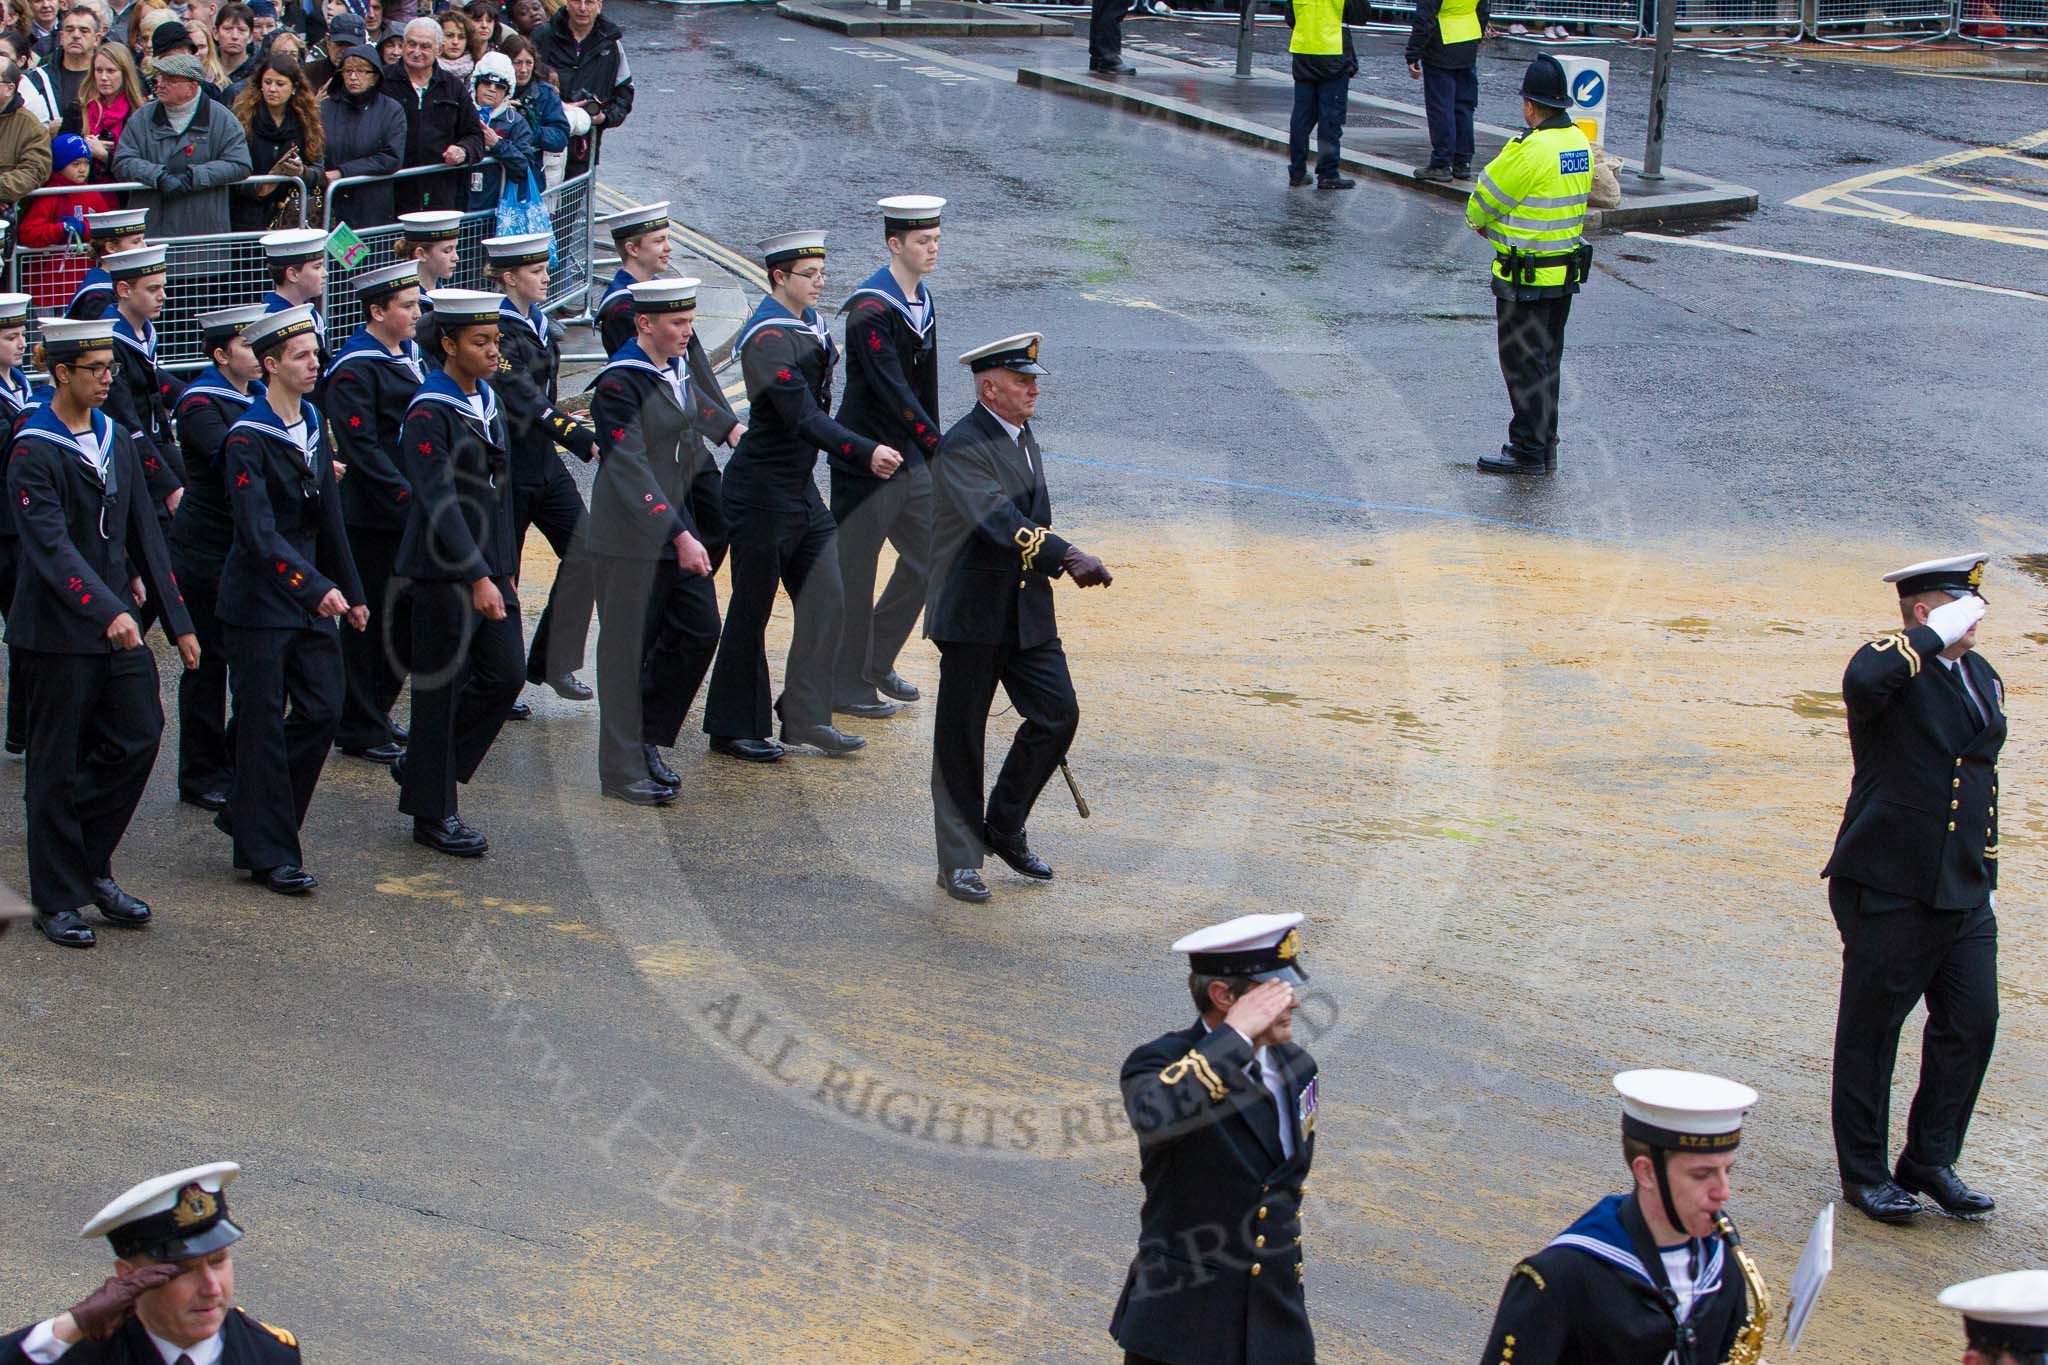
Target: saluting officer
x=432, y=240
x=200, y=536
x=1530, y=203
x=543, y=494
x=138, y=400
x=91, y=554
x=779, y=528
x=892, y=392
x=105, y=234
x=289, y=576
x=994, y=557
x=16, y=399
x=462, y=556
x=658, y=607
x=2005, y=1317
x=365, y=396
x=1910, y=884
x=1648, y=1277
x=171, y=1297
x=1225, y=1112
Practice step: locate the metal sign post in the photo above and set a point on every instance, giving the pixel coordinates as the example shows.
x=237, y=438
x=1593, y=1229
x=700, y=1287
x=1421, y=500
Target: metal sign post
x=1660, y=89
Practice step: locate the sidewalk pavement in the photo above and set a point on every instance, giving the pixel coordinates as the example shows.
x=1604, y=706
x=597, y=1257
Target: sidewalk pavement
x=1382, y=137
x=922, y=19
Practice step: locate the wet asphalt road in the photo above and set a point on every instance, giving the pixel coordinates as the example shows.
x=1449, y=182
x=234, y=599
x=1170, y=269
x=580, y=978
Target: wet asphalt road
x=730, y=1082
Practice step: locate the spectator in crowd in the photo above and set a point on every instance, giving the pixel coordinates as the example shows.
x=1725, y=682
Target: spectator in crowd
x=366, y=132
x=282, y=120
x=526, y=16
x=188, y=147
x=234, y=32
x=589, y=60
x=38, y=91
x=344, y=31
x=442, y=128
x=24, y=141
x=508, y=140
x=58, y=220
x=542, y=105
x=456, y=35
x=79, y=36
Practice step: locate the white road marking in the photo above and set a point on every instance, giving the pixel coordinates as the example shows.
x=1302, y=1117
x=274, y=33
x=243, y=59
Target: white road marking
x=1912, y=275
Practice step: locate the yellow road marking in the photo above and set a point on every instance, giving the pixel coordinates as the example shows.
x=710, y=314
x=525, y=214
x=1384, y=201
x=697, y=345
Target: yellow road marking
x=1878, y=194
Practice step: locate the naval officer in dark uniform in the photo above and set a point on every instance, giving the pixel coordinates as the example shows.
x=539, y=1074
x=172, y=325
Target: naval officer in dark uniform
x=994, y=557
x=892, y=391
x=1656, y=1276
x=1910, y=885
x=171, y=1297
x=1225, y=1113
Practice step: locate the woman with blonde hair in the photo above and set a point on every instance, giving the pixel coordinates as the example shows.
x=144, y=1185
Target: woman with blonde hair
x=103, y=105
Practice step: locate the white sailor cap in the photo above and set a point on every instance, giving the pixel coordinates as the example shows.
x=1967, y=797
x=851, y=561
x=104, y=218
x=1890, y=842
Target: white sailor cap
x=115, y=223
x=431, y=225
x=1958, y=575
x=1019, y=353
x=464, y=307
x=66, y=337
x=792, y=246
x=909, y=212
x=14, y=309
x=1262, y=947
x=293, y=245
x=172, y=1217
x=135, y=262
x=373, y=286
x=1683, y=1111
x=525, y=248
x=225, y=324
x=664, y=295
x=633, y=222
x=275, y=329
x=2006, y=1312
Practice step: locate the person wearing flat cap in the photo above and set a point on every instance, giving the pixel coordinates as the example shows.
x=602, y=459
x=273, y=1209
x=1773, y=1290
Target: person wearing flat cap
x=171, y=1298
x=990, y=611
x=2005, y=1317
x=1655, y=1276
x=1225, y=1113
x=1911, y=883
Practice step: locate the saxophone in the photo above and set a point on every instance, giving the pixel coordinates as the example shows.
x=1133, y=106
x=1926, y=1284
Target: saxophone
x=1749, y=1339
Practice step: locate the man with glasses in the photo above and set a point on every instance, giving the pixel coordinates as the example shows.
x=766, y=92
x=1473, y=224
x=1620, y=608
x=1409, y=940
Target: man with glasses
x=92, y=555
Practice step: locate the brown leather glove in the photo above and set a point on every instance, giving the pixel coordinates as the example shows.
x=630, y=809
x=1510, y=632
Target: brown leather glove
x=100, y=1314
x=1085, y=569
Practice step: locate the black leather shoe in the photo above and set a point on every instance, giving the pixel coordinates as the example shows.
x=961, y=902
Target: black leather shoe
x=963, y=884
x=1509, y=463
x=830, y=738
x=375, y=753
x=1012, y=849
x=1112, y=69
x=66, y=929
x=1337, y=182
x=658, y=771
x=400, y=734
x=1884, y=1201
x=1944, y=1187
x=893, y=686
x=450, y=836
x=569, y=687
x=286, y=879
x=749, y=750
x=645, y=792
x=520, y=711
x=118, y=906
x=867, y=710
x=205, y=800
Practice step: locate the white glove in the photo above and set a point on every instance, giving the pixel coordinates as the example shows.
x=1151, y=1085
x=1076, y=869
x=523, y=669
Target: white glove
x=1952, y=620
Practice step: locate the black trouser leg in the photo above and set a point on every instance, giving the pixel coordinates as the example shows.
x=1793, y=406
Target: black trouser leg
x=810, y=571
x=556, y=509
x=288, y=695
x=17, y=698
x=738, y=704
x=1955, y=1050
x=375, y=661
x=97, y=723
x=968, y=674
x=1043, y=693
x=682, y=637
x=205, y=761
x=1106, y=31
x=466, y=675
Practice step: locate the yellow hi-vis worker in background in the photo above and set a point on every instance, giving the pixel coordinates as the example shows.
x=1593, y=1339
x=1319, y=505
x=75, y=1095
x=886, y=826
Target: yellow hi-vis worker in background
x=1530, y=203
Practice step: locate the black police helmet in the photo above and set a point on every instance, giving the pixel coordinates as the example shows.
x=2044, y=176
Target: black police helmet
x=1543, y=83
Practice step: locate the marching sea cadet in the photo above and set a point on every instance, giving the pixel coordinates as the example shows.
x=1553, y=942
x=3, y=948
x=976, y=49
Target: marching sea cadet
x=1911, y=884
x=1530, y=204
x=994, y=556
x=1656, y=1276
x=171, y=1297
x=1225, y=1112
x=105, y=233
x=892, y=393
x=200, y=537
x=2005, y=1317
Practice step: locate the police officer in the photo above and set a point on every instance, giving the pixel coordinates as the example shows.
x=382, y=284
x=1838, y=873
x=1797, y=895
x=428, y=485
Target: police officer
x=892, y=392
x=543, y=494
x=1650, y=1277
x=365, y=396
x=1530, y=203
x=1225, y=1113
x=16, y=398
x=137, y=400
x=658, y=607
x=171, y=1297
x=2005, y=1317
x=461, y=553
x=1910, y=884
x=91, y=554
x=994, y=557
x=200, y=536
x=105, y=233
x=288, y=577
